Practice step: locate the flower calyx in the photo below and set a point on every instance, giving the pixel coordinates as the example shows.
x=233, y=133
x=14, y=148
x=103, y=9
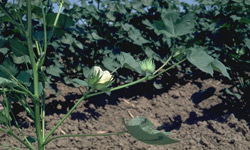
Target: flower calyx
x=147, y=66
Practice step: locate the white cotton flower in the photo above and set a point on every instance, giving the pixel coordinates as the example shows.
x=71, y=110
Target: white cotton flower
x=105, y=77
x=99, y=79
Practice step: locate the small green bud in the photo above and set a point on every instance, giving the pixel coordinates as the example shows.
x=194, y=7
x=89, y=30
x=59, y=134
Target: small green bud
x=147, y=66
x=99, y=79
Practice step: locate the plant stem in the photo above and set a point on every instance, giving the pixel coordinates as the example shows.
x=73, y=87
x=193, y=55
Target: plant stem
x=16, y=137
x=58, y=13
x=174, y=65
x=35, y=77
x=4, y=131
x=46, y=41
x=82, y=135
x=8, y=110
x=20, y=140
x=20, y=130
x=43, y=113
x=66, y=116
x=170, y=57
x=8, y=146
x=117, y=88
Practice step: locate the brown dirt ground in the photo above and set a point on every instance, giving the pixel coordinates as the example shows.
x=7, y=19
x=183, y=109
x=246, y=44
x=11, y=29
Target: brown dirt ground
x=206, y=125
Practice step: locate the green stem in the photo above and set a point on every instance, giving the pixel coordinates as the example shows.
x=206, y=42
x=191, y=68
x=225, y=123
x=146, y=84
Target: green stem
x=12, y=147
x=163, y=65
x=27, y=108
x=8, y=110
x=20, y=130
x=44, y=27
x=16, y=137
x=43, y=113
x=45, y=32
x=119, y=87
x=66, y=116
x=58, y=13
x=20, y=140
x=82, y=135
x=4, y=131
x=174, y=65
x=35, y=77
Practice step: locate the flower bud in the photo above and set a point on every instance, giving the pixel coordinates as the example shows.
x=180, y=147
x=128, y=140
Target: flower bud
x=99, y=79
x=147, y=66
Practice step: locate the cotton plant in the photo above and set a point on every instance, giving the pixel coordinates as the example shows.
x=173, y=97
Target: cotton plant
x=99, y=81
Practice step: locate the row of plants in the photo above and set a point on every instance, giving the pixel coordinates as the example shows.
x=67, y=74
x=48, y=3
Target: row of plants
x=133, y=41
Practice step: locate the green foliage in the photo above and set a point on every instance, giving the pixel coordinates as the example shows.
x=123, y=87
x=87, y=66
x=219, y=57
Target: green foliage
x=174, y=26
x=7, y=83
x=143, y=130
x=4, y=116
x=115, y=35
x=223, y=26
x=198, y=57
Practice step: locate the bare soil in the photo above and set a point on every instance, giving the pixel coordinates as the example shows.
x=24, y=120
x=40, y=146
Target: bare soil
x=194, y=111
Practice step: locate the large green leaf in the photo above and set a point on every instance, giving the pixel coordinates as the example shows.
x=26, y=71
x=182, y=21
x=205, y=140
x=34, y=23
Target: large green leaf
x=7, y=68
x=63, y=22
x=143, y=130
x=18, y=48
x=199, y=58
x=110, y=63
x=128, y=61
x=173, y=26
x=76, y=82
x=25, y=76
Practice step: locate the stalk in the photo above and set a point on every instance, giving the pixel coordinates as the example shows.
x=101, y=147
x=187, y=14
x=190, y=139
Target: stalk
x=66, y=116
x=35, y=78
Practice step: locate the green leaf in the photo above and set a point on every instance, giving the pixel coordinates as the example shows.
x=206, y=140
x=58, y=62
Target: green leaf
x=245, y=20
x=54, y=71
x=143, y=130
x=173, y=26
x=220, y=67
x=5, y=82
x=128, y=61
x=199, y=58
x=247, y=42
x=39, y=35
x=238, y=96
x=238, y=1
x=4, y=50
x=157, y=85
x=31, y=139
x=110, y=63
x=7, y=69
x=25, y=76
x=247, y=2
x=79, y=82
x=63, y=21
x=4, y=116
x=21, y=59
x=18, y=48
